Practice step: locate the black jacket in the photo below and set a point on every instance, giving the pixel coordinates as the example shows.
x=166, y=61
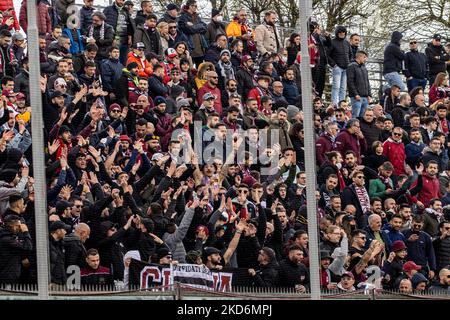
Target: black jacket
x=266, y=276
x=339, y=51
x=358, y=80
x=156, y=87
x=398, y=115
x=436, y=65
x=322, y=44
x=244, y=82
x=102, y=44
x=140, y=18
x=247, y=252
x=86, y=17
x=112, y=252
x=12, y=248
x=393, y=55
x=416, y=65
x=291, y=274
x=442, y=252
x=349, y=197
x=112, y=16
x=57, y=261
x=75, y=252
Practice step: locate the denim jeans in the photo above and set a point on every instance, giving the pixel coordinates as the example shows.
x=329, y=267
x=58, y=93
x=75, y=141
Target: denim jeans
x=123, y=53
x=395, y=78
x=339, y=86
x=415, y=83
x=358, y=107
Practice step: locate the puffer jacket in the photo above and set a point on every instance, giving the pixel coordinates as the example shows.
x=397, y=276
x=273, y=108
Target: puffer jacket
x=61, y=9
x=393, y=55
x=110, y=71
x=358, y=80
x=75, y=252
x=175, y=240
x=395, y=151
x=266, y=276
x=340, y=51
x=290, y=91
x=8, y=4
x=43, y=18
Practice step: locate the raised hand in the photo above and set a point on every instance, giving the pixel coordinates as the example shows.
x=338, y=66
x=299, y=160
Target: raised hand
x=66, y=192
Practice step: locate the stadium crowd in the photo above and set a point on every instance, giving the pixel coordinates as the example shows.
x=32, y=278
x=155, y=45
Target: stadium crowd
x=128, y=102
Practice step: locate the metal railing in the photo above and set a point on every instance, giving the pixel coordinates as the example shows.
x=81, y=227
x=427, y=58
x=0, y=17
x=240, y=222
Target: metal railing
x=183, y=292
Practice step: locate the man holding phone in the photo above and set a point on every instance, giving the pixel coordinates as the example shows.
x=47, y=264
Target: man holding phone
x=420, y=247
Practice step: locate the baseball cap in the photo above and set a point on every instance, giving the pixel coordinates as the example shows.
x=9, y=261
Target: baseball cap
x=209, y=251
x=208, y=96
x=437, y=36
x=59, y=225
x=171, y=53
x=246, y=57
x=62, y=205
x=139, y=45
x=162, y=252
x=172, y=6
x=20, y=96
x=125, y=138
x=410, y=265
x=57, y=94
x=348, y=274
x=18, y=37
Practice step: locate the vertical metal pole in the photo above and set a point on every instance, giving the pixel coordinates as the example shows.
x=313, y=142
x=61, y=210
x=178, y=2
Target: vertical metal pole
x=310, y=152
x=40, y=205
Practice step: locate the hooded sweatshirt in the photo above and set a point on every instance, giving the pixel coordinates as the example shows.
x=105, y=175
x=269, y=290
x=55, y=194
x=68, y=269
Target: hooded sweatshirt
x=393, y=55
x=340, y=52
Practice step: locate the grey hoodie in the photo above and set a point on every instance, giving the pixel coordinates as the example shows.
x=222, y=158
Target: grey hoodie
x=175, y=240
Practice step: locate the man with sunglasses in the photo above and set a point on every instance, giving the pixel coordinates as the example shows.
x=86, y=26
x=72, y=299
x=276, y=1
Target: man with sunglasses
x=444, y=282
x=357, y=195
x=438, y=59
x=211, y=86
x=416, y=67
x=394, y=149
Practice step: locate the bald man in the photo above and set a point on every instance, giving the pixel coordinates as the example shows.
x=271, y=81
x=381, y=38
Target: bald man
x=74, y=245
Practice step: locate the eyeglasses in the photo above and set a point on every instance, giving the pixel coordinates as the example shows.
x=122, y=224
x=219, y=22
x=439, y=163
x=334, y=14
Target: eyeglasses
x=413, y=42
x=174, y=27
x=216, y=77
x=360, y=177
x=78, y=206
x=243, y=191
x=447, y=228
x=362, y=238
x=397, y=134
x=115, y=111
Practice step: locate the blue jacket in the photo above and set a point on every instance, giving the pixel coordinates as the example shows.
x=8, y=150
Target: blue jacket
x=413, y=153
x=110, y=72
x=75, y=47
x=421, y=251
x=290, y=91
x=392, y=234
x=199, y=28
x=371, y=237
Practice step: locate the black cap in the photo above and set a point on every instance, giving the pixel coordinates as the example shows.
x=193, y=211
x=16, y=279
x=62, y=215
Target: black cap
x=58, y=93
x=172, y=6
x=437, y=36
x=63, y=129
x=59, y=225
x=8, y=175
x=325, y=255
x=162, y=252
x=62, y=205
x=215, y=12
x=209, y=251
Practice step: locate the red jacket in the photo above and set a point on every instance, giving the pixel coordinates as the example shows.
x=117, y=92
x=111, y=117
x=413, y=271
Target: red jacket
x=324, y=145
x=430, y=190
x=346, y=141
x=145, y=67
x=44, y=22
x=216, y=92
x=395, y=151
x=257, y=93
x=8, y=4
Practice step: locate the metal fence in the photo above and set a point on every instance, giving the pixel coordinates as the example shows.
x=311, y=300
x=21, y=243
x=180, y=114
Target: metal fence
x=183, y=292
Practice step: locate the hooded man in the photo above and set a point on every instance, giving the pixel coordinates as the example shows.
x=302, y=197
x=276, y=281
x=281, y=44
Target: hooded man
x=438, y=58
x=225, y=69
x=339, y=57
x=267, y=274
x=393, y=61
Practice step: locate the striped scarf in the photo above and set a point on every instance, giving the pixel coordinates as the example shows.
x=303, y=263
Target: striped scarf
x=363, y=198
x=102, y=31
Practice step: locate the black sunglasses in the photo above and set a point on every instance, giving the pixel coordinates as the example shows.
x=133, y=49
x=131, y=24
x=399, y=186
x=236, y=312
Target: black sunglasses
x=244, y=191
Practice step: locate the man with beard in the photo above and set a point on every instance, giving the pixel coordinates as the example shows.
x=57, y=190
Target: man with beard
x=101, y=34
x=261, y=90
x=433, y=152
x=240, y=29
x=214, y=51
x=175, y=36
x=266, y=36
x=402, y=110
x=111, y=71
x=231, y=121
x=357, y=195
x=161, y=119
x=89, y=76
x=211, y=87
x=432, y=217
x=393, y=228
x=80, y=60
x=52, y=109
x=280, y=127
x=267, y=274
x=292, y=272
x=245, y=76
x=230, y=89
x=430, y=188
x=290, y=89
x=251, y=114
x=327, y=190
x=225, y=69
x=127, y=83
x=146, y=10
x=355, y=39
x=62, y=71
x=212, y=258
x=147, y=34
x=15, y=241
x=390, y=98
